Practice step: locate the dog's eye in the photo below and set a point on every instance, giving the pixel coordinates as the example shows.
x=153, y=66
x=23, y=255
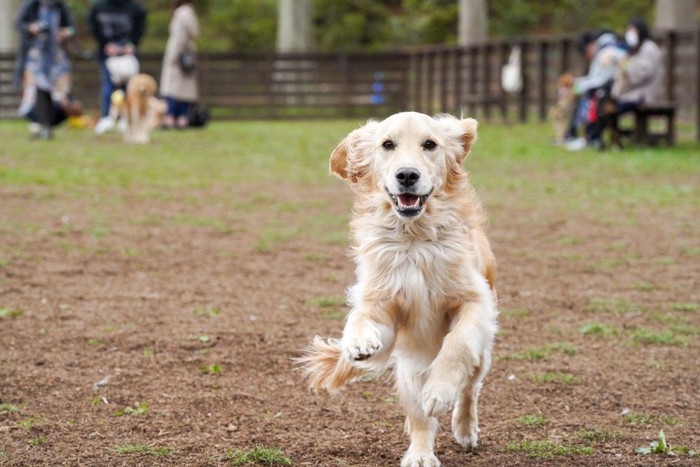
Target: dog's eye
x=388, y=145
x=429, y=145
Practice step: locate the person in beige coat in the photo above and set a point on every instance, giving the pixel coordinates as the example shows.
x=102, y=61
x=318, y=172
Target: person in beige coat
x=177, y=84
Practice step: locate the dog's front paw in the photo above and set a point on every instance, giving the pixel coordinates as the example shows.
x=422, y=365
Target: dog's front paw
x=419, y=459
x=438, y=398
x=357, y=348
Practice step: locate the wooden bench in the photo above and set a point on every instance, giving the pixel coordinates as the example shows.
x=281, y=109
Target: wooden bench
x=642, y=132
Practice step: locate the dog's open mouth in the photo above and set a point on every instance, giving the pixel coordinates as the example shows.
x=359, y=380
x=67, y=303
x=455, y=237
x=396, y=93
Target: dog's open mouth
x=408, y=204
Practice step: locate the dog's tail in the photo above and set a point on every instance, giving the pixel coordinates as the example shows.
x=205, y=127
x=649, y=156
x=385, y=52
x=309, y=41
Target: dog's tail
x=324, y=366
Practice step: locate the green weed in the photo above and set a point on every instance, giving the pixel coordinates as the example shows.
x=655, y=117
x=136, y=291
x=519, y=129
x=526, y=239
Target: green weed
x=258, y=455
x=597, y=329
x=140, y=409
x=551, y=377
x=7, y=408
x=212, y=312
x=210, y=369
x=142, y=449
x=662, y=447
x=40, y=441
x=612, y=305
x=531, y=420
x=595, y=436
x=326, y=301
x=6, y=312
x=653, y=337
x=547, y=449
x=685, y=307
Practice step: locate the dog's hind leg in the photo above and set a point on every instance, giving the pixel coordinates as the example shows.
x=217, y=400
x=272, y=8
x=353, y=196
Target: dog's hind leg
x=420, y=428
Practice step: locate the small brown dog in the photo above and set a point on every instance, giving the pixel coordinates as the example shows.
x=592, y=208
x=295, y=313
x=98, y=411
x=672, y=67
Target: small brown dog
x=560, y=112
x=140, y=111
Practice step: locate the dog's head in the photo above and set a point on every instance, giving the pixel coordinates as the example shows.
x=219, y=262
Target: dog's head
x=409, y=157
x=566, y=80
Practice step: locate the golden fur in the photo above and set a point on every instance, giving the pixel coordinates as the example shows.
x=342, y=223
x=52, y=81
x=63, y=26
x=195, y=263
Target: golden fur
x=139, y=108
x=424, y=304
x=560, y=112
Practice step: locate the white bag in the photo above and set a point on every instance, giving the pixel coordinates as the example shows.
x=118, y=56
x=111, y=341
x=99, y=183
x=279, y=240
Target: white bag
x=511, y=74
x=121, y=68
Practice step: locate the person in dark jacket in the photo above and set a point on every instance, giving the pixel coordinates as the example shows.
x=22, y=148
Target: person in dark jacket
x=117, y=26
x=42, y=66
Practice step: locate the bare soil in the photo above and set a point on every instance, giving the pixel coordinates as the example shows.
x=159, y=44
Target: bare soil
x=173, y=298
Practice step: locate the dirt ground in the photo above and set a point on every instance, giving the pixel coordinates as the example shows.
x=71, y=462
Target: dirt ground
x=190, y=317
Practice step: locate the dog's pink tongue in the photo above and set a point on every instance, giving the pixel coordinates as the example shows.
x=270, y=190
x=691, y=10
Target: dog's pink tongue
x=408, y=199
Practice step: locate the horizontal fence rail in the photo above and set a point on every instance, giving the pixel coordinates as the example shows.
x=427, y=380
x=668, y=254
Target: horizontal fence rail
x=458, y=80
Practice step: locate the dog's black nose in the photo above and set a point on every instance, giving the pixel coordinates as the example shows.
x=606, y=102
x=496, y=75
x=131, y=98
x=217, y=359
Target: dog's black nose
x=407, y=176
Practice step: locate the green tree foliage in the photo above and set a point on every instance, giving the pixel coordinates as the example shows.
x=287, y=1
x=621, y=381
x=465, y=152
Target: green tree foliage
x=251, y=25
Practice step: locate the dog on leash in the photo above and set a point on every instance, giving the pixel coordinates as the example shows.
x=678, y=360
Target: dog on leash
x=424, y=304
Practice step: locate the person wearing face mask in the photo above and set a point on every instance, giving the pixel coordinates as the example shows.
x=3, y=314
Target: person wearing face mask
x=640, y=78
x=42, y=66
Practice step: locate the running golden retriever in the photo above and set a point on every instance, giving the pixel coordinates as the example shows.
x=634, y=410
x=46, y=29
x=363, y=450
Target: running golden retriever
x=424, y=304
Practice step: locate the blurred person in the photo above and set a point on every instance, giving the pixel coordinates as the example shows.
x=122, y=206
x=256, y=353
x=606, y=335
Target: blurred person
x=43, y=66
x=178, y=82
x=117, y=26
x=638, y=80
x=605, y=53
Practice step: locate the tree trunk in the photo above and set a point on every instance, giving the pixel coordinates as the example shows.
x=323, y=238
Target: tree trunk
x=473, y=21
x=295, y=28
x=8, y=34
x=675, y=14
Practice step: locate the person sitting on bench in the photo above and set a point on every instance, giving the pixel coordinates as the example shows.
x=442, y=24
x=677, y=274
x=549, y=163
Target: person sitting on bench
x=639, y=78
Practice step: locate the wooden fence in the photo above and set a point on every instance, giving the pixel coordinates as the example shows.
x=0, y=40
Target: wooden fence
x=360, y=85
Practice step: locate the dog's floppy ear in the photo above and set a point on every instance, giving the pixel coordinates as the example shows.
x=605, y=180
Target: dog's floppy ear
x=468, y=137
x=339, y=158
x=347, y=159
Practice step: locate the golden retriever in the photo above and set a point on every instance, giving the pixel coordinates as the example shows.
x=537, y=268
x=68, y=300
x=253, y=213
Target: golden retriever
x=560, y=113
x=140, y=108
x=424, y=304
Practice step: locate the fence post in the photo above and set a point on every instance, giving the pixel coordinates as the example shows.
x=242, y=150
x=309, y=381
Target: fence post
x=486, y=96
x=526, y=83
x=697, y=83
x=671, y=64
x=345, y=85
x=458, y=94
x=543, y=80
x=503, y=95
x=472, y=79
x=445, y=78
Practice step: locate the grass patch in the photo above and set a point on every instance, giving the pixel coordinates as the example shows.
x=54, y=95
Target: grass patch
x=8, y=313
x=652, y=337
x=210, y=369
x=40, y=441
x=212, y=312
x=326, y=302
x=547, y=449
x=551, y=377
x=597, y=329
x=258, y=455
x=595, y=436
x=510, y=314
x=142, y=449
x=531, y=420
x=543, y=352
x=612, y=305
x=140, y=409
x=7, y=408
x=685, y=307
x=641, y=418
